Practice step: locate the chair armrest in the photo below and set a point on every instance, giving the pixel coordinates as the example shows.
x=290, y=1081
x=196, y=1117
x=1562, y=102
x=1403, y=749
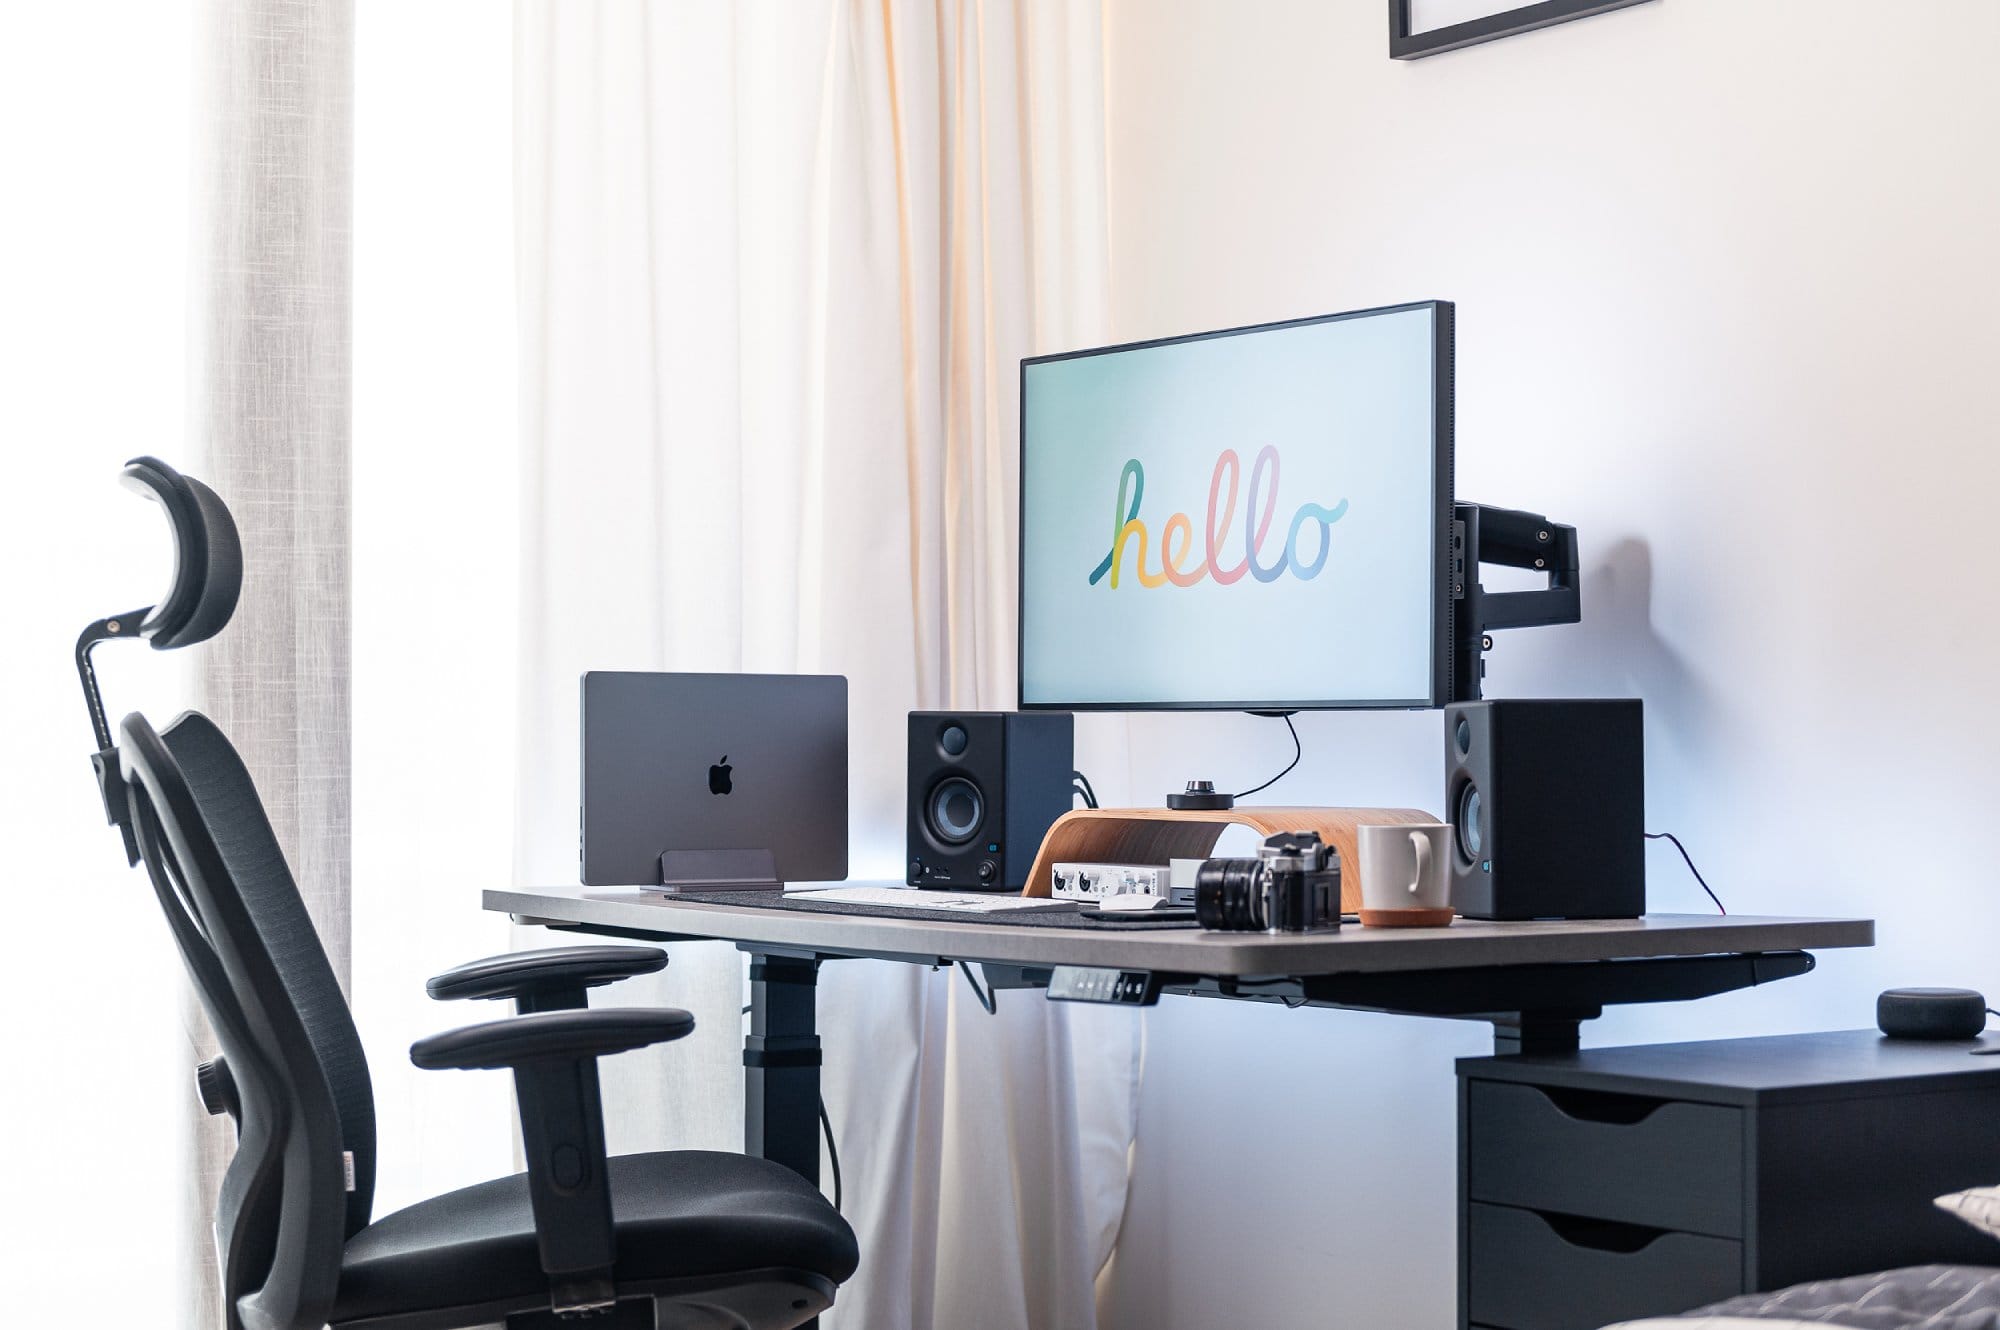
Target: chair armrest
x=554, y=1056
x=570, y=1036
x=552, y=979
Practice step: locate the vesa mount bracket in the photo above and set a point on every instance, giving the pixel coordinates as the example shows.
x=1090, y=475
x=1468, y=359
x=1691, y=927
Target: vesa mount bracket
x=1508, y=538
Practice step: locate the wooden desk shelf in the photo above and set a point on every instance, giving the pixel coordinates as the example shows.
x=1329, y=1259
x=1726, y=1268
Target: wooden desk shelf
x=1157, y=835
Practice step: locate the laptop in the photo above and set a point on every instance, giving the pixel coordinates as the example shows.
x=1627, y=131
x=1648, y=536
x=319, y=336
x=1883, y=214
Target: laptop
x=716, y=766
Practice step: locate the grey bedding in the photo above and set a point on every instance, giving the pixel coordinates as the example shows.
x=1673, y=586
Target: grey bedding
x=1921, y=1297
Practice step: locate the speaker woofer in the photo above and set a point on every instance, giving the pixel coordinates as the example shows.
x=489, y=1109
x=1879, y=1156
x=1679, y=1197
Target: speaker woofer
x=1470, y=838
x=955, y=810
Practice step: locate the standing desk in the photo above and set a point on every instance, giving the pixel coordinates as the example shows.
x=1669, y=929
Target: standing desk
x=1535, y=982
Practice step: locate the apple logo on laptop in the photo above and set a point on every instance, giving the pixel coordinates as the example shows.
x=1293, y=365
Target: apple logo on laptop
x=718, y=776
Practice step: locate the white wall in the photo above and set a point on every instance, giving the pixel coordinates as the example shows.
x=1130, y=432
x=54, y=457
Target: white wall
x=1725, y=276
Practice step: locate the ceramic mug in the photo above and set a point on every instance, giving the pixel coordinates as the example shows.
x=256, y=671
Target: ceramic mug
x=1405, y=880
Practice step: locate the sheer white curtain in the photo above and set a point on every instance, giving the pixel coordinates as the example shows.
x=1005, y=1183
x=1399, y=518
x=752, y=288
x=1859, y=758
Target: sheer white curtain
x=270, y=368
x=95, y=155
x=777, y=263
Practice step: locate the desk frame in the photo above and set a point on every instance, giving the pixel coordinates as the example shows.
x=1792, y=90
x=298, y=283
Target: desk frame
x=1536, y=986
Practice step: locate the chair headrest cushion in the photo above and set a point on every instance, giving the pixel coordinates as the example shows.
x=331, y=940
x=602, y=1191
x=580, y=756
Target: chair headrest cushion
x=208, y=559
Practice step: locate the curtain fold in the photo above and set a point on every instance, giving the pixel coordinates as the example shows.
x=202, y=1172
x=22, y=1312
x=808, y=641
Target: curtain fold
x=270, y=370
x=777, y=264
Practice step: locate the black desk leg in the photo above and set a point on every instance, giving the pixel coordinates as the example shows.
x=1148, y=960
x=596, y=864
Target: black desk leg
x=1539, y=1031
x=781, y=1064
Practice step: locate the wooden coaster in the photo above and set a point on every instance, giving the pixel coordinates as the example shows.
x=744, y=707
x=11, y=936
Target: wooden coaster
x=1410, y=918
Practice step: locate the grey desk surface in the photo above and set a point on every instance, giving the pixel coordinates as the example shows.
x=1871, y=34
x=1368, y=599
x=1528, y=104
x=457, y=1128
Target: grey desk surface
x=1466, y=943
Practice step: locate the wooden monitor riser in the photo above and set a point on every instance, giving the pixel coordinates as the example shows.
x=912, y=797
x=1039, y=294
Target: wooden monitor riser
x=1157, y=835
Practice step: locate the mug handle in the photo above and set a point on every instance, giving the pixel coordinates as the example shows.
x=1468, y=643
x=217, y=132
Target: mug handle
x=1423, y=848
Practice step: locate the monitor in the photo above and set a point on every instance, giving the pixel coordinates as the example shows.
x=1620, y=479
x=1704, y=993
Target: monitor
x=1257, y=519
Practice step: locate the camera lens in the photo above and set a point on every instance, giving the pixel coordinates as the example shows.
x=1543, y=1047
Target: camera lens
x=955, y=810
x=1228, y=895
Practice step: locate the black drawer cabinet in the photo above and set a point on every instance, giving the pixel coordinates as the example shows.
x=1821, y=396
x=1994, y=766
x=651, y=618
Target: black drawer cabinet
x=1617, y=1183
x=1607, y=1272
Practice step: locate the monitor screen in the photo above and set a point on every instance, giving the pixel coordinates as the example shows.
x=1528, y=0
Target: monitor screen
x=1251, y=519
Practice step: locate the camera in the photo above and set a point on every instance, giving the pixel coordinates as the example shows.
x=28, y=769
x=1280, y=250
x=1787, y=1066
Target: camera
x=1292, y=886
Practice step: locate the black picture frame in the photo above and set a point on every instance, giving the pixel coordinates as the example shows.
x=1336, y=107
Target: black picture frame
x=1404, y=45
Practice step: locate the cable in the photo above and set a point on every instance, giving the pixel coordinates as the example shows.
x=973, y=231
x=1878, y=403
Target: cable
x=1298, y=751
x=1669, y=836
x=832, y=1152
x=985, y=996
x=1081, y=784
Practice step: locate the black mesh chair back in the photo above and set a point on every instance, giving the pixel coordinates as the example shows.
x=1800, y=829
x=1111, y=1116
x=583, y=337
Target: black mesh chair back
x=292, y=1071
x=696, y=1240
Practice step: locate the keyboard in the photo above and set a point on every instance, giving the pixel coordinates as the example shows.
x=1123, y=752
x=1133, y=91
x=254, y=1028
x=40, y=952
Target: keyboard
x=968, y=902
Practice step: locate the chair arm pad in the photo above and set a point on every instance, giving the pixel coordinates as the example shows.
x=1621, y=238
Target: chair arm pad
x=550, y=1035
x=554, y=1056
x=546, y=972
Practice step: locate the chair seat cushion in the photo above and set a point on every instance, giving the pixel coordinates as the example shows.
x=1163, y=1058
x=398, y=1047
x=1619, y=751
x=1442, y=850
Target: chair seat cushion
x=680, y=1214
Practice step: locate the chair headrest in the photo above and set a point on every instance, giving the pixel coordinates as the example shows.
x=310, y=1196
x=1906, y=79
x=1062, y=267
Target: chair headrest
x=208, y=559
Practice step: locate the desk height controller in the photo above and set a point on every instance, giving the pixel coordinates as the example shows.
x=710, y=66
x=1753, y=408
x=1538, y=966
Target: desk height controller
x=1090, y=983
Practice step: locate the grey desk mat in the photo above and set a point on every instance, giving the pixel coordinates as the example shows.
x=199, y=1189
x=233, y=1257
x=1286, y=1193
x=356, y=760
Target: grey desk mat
x=802, y=900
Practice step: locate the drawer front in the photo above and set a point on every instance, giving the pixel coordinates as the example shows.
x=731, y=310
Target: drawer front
x=1529, y=1271
x=1657, y=1162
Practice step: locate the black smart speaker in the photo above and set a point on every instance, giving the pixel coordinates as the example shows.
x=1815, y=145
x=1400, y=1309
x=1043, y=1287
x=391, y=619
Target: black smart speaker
x=1547, y=801
x=1931, y=1013
x=985, y=786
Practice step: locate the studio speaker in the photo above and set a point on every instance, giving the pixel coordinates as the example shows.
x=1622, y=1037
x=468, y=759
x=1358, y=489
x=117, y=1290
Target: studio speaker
x=984, y=788
x=1547, y=801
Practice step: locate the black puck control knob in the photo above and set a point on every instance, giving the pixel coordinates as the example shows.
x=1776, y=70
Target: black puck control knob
x=216, y=1087
x=987, y=870
x=1200, y=795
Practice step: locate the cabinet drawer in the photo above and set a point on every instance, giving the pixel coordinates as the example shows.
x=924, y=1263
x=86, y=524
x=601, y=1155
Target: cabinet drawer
x=1530, y=1271
x=1657, y=1162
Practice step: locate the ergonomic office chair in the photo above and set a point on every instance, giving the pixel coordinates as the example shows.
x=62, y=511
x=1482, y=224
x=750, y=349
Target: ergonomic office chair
x=687, y=1240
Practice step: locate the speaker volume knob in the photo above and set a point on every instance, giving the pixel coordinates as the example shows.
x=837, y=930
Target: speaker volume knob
x=986, y=870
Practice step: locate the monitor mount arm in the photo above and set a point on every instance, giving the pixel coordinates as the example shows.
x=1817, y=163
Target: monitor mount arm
x=1508, y=538
x=104, y=762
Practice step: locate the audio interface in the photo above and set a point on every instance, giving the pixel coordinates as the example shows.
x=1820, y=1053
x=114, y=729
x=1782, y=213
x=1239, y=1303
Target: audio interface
x=1090, y=882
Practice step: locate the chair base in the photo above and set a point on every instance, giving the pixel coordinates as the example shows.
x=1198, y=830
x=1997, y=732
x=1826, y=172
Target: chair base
x=747, y=1300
